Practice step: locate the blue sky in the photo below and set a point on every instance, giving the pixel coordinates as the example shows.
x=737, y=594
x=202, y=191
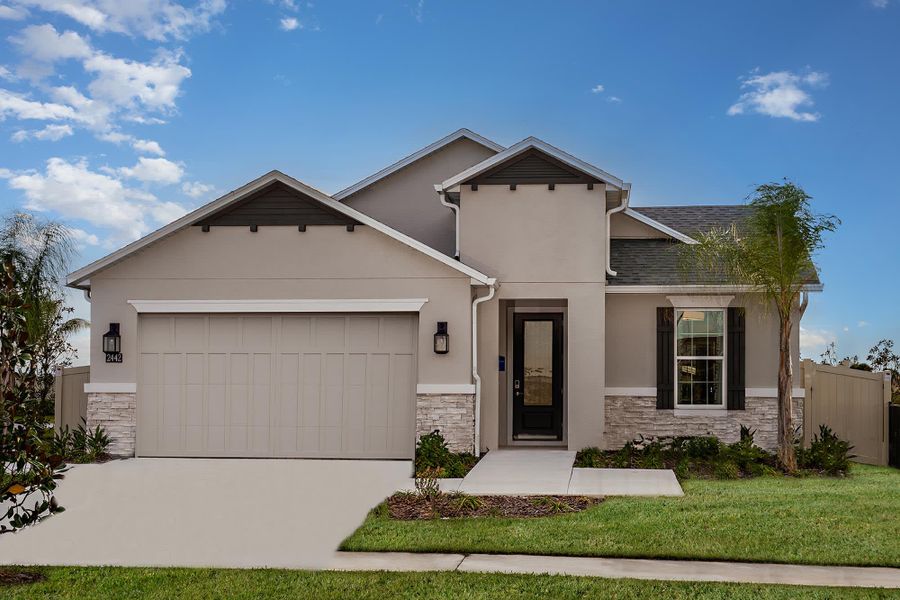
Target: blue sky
x=116, y=117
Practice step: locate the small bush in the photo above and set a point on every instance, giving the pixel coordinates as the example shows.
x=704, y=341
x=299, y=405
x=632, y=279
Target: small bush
x=727, y=469
x=591, y=458
x=432, y=453
x=827, y=453
x=466, y=503
x=427, y=482
x=81, y=445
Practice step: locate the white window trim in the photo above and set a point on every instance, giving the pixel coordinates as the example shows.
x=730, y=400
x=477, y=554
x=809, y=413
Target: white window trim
x=445, y=388
x=701, y=407
x=280, y=306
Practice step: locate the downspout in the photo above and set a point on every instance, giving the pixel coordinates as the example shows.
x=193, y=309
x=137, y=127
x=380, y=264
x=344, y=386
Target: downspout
x=475, y=376
x=455, y=209
x=625, y=193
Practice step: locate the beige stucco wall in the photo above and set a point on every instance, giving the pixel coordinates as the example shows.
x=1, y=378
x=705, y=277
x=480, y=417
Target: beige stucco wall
x=542, y=245
x=623, y=226
x=631, y=341
x=282, y=263
x=406, y=200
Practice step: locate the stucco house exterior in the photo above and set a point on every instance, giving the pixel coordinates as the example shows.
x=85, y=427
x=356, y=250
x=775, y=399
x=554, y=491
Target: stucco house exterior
x=504, y=296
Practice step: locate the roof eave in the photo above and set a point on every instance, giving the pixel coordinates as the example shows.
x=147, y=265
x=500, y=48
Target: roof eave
x=415, y=156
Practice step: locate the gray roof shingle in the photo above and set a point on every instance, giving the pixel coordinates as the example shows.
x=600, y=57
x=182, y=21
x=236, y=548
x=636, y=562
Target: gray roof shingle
x=658, y=261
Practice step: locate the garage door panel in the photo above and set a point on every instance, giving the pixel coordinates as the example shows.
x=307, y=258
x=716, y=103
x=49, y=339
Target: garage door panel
x=294, y=386
x=224, y=334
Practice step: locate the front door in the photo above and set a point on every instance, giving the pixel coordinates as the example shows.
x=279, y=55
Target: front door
x=537, y=376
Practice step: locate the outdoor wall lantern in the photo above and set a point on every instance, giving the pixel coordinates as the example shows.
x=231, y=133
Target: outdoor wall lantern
x=112, y=344
x=441, y=339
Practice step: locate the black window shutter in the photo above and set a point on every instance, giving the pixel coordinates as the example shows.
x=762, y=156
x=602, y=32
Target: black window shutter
x=736, y=358
x=665, y=357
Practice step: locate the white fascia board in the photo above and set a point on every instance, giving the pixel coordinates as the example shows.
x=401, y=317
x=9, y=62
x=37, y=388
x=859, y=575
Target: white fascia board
x=673, y=233
x=419, y=154
x=445, y=388
x=526, y=144
x=77, y=278
x=694, y=301
x=110, y=388
x=345, y=305
x=697, y=289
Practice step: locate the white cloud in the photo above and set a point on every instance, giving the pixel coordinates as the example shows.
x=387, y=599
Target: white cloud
x=846, y=328
x=779, y=94
x=148, y=147
x=52, y=133
x=6, y=74
x=155, y=170
x=418, y=11
x=43, y=43
x=880, y=3
x=813, y=341
x=157, y=20
x=83, y=238
x=195, y=189
x=19, y=107
x=862, y=324
x=12, y=13
x=70, y=190
x=598, y=89
x=614, y=99
x=289, y=24
x=126, y=83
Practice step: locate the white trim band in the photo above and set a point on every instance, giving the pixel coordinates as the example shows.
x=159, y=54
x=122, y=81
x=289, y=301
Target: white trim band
x=445, y=388
x=651, y=391
x=352, y=305
x=700, y=301
x=110, y=388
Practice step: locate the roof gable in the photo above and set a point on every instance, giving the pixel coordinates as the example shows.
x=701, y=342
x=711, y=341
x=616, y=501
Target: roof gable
x=532, y=166
x=81, y=277
x=277, y=204
x=561, y=158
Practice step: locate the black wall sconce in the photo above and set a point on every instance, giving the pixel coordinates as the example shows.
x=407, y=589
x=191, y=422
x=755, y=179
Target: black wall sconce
x=112, y=344
x=441, y=339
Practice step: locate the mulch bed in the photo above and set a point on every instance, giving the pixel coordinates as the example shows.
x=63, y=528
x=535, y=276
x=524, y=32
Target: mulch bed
x=410, y=506
x=11, y=577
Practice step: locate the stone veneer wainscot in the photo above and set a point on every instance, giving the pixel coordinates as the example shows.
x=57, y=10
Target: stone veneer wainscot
x=115, y=413
x=452, y=414
x=627, y=417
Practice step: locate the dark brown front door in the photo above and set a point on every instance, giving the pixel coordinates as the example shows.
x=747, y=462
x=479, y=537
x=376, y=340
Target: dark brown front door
x=537, y=376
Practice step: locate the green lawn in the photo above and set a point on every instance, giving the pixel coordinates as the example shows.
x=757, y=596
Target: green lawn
x=850, y=521
x=77, y=583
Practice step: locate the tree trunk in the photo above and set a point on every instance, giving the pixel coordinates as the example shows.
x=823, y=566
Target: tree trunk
x=786, y=455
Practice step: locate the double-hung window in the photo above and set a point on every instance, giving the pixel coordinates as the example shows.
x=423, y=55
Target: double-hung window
x=699, y=357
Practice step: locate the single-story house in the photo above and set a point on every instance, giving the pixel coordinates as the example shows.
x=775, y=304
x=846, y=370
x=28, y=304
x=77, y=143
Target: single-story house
x=504, y=296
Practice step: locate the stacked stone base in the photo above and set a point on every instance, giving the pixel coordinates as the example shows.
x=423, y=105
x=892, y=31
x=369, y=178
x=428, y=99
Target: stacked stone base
x=451, y=414
x=627, y=417
x=115, y=413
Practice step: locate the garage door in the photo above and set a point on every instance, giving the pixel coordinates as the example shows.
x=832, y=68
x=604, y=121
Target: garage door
x=327, y=386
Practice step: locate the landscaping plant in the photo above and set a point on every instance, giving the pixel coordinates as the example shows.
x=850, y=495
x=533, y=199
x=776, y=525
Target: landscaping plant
x=432, y=453
x=29, y=471
x=827, y=453
x=80, y=445
x=772, y=253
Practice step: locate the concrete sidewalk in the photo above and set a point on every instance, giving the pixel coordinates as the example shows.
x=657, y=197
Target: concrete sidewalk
x=540, y=472
x=622, y=568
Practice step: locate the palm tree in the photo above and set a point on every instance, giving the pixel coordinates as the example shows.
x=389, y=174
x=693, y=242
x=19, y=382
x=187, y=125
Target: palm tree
x=771, y=253
x=40, y=252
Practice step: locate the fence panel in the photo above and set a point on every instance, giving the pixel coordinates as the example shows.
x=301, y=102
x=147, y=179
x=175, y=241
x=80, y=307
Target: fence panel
x=853, y=403
x=71, y=400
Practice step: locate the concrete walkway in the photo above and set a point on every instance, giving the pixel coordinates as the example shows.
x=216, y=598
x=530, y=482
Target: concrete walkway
x=622, y=568
x=541, y=472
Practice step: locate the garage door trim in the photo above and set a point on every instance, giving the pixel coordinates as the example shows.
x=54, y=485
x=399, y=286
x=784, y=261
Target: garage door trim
x=344, y=305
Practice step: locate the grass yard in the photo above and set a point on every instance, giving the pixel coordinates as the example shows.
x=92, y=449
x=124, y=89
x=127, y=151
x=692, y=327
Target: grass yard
x=85, y=583
x=814, y=520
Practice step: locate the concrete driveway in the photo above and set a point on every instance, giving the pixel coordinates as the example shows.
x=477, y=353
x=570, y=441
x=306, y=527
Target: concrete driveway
x=201, y=512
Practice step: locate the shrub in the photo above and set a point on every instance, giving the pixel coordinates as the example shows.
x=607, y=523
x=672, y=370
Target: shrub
x=590, y=458
x=427, y=482
x=827, y=453
x=726, y=469
x=432, y=453
x=79, y=446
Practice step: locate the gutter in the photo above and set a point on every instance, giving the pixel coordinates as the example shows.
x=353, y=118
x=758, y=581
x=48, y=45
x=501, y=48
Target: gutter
x=455, y=209
x=475, y=376
x=626, y=192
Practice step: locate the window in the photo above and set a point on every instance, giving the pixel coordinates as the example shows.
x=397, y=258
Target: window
x=699, y=357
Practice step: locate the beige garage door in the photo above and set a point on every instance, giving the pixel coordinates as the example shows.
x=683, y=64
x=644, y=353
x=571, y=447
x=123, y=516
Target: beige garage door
x=328, y=386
